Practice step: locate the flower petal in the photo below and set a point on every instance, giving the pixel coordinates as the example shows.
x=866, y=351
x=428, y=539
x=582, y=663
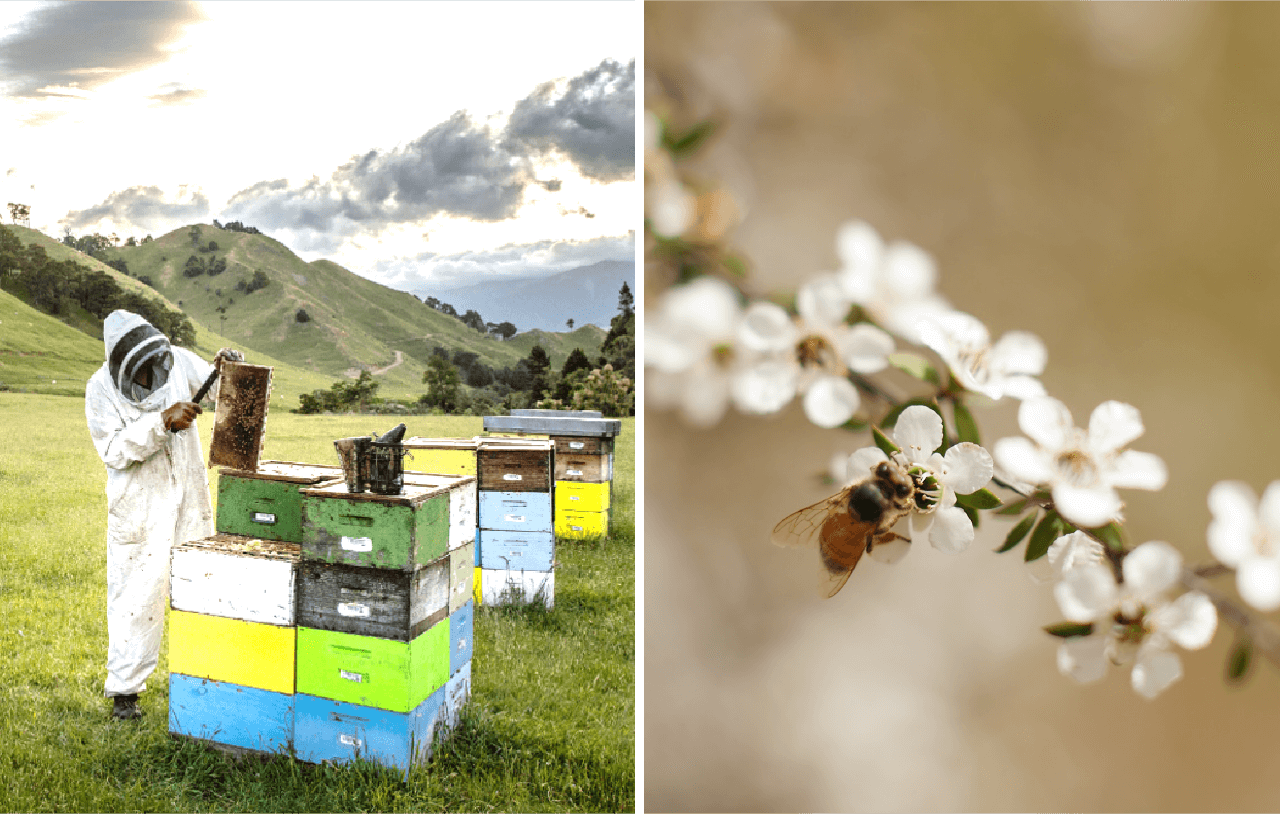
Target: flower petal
x=1084, y=658
x=1112, y=425
x=1073, y=551
x=859, y=246
x=1258, y=580
x=1151, y=569
x=1019, y=352
x=890, y=551
x=1022, y=387
x=705, y=399
x=968, y=468
x=1022, y=460
x=865, y=347
x=708, y=303
x=863, y=461
x=952, y=530
x=1137, y=470
x=1155, y=671
x=1235, y=521
x=767, y=327
x=822, y=302
x=1086, y=593
x=1046, y=421
x=909, y=272
x=1188, y=621
x=831, y=401
x=918, y=432
x=765, y=387
x=1088, y=507
x=1269, y=509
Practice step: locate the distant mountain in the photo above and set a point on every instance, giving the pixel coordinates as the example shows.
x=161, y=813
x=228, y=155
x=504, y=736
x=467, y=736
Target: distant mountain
x=587, y=294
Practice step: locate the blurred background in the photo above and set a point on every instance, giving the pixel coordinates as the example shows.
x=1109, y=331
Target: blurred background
x=1105, y=175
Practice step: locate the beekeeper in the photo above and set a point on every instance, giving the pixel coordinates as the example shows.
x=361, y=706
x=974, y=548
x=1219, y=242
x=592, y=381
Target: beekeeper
x=142, y=421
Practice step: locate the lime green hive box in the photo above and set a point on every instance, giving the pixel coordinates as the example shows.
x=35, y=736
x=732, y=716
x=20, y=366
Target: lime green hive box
x=371, y=671
x=267, y=502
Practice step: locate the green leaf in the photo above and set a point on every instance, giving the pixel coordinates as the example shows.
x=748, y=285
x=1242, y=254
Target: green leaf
x=1015, y=507
x=1240, y=660
x=882, y=441
x=966, y=427
x=973, y=515
x=734, y=265
x=1018, y=532
x=1068, y=630
x=916, y=366
x=981, y=499
x=690, y=141
x=1113, y=535
x=1046, y=531
x=855, y=425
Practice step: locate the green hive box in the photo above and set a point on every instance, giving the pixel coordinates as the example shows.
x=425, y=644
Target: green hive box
x=267, y=503
x=401, y=531
x=373, y=672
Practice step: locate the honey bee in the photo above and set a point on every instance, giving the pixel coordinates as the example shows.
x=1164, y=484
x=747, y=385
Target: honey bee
x=853, y=521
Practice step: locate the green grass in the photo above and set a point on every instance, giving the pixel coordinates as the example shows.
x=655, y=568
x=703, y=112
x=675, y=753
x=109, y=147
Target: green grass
x=550, y=726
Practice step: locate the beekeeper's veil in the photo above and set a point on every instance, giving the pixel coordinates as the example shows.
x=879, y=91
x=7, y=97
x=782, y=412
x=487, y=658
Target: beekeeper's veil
x=133, y=344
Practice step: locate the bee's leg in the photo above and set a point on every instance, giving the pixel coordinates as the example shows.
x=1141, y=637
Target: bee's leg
x=887, y=537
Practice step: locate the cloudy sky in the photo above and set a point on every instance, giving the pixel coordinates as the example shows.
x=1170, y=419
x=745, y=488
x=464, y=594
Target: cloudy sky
x=416, y=143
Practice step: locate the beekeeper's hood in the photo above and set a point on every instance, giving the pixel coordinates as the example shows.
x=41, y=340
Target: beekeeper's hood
x=132, y=344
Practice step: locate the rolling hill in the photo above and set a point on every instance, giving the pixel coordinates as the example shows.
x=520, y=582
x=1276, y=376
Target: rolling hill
x=354, y=323
x=587, y=295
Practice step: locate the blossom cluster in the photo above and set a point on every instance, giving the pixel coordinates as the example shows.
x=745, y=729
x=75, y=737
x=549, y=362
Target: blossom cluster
x=709, y=347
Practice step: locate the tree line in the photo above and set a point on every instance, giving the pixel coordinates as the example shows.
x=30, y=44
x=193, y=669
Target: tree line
x=59, y=287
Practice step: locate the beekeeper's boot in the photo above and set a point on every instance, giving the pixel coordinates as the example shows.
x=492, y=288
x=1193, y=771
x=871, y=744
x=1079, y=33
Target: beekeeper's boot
x=125, y=708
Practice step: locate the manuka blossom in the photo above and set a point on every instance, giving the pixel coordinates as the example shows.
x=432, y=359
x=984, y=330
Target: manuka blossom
x=1068, y=551
x=1245, y=534
x=1006, y=368
x=811, y=355
x=894, y=283
x=964, y=469
x=1133, y=621
x=1082, y=468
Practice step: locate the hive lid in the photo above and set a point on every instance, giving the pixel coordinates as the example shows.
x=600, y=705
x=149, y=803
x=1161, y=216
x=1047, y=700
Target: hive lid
x=287, y=471
x=413, y=493
x=554, y=425
x=559, y=413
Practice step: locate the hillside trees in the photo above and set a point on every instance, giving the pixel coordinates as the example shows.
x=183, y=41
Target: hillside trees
x=442, y=381
x=59, y=287
x=342, y=396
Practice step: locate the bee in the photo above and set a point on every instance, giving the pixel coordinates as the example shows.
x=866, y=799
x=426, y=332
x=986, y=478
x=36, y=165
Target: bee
x=855, y=520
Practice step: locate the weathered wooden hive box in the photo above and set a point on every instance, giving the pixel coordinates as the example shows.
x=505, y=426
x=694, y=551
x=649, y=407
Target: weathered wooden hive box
x=232, y=641
x=584, y=443
x=385, y=618
x=267, y=502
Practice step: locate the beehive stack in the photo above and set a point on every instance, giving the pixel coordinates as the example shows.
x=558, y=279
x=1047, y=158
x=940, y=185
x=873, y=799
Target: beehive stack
x=516, y=539
x=232, y=625
x=384, y=619
x=584, y=442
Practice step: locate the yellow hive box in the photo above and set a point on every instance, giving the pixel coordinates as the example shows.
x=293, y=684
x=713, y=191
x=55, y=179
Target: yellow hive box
x=581, y=524
x=252, y=654
x=572, y=496
x=441, y=456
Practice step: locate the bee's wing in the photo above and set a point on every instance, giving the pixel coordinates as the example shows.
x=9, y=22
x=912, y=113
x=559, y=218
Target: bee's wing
x=801, y=528
x=842, y=540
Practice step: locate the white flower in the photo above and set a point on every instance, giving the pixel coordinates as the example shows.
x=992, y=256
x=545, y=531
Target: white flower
x=1068, y=551
x=894, y=283
x=690, y=344
x=1083, y=469
x=810, y=355
x=1007, y=368
x=964, y=469
x=1133, y=620
x=1245, y=535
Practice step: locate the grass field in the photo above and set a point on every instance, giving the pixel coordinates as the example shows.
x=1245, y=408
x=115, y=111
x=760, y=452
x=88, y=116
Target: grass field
x=550, y=726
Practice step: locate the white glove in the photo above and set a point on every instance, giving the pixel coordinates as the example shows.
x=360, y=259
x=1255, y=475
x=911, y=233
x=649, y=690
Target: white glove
x=231, y=354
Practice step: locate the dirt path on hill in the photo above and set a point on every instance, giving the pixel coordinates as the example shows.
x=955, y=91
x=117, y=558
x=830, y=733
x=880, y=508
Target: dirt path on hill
x=378, y=370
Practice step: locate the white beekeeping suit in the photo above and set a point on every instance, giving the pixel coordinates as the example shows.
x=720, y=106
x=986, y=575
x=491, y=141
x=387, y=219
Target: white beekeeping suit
x=157, y=487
